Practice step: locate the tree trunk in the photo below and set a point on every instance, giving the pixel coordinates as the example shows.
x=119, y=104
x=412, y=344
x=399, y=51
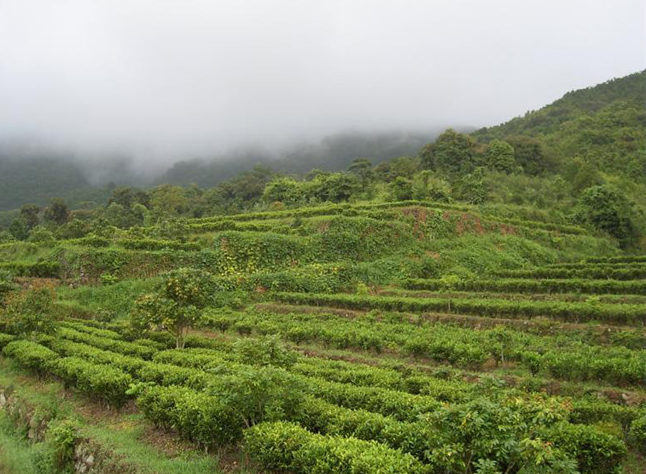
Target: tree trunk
x=179, y=338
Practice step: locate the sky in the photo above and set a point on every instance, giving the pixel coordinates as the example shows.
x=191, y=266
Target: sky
x=171, y=78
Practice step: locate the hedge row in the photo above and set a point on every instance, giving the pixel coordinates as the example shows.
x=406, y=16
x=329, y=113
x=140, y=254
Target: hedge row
x=70, y=348
x=6, y=339
x=583, y=367
x=595, y=451
x=338, y=371
x=355, y=210
x=563, y=357
x=571, y=312
x=96, y=380
x=198, y=416
x=637, y=434
x=165, y=371
x=168, y=369
x=326, y=418
x=223, y=225
x=36, y=270
x=194, y=415
x=401, y=405
x=521, y=285
x=31, y=355
x=286, y=447
x=587, y=411
x=100, y=381
x=598, y=266
x=152, y=244
x=621, y=259
x=143, y=370
x=207, y=420
x=609, y=273
x=282, y=447
x=366, y=375
x=115, y=345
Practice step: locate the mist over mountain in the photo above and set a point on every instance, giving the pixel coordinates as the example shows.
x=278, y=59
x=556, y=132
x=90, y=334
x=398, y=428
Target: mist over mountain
x=100, y=94
x=332, y=153
x=162, y=82
x=34, y=172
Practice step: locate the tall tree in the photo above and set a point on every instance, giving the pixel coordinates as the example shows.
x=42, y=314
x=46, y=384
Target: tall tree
x=500, y=156
x=57, y=212
x=29, y=213
x=362, y=168
x=608, y=209
x=452, y=151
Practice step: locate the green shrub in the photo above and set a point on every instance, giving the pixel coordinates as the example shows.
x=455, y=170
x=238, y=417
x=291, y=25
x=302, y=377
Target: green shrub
x=263, y=352
x=99, y=381
x=63, y=436
x=595, y=452
x=281, y=447
x=194, y=415
x=32, y=356
x=115, y=345
x=6, y=339
x=637, y=435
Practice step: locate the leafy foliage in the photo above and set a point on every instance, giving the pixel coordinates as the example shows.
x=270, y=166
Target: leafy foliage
x=608, y=209
x=177, y=305
x=30, y=312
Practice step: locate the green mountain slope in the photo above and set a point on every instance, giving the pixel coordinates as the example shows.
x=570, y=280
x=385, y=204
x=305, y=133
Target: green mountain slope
x=605, y=125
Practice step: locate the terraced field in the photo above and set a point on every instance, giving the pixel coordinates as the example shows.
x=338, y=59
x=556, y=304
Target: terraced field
x=406, y=337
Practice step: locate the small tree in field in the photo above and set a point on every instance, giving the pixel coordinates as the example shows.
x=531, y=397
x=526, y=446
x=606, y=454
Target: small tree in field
x=177, y=305
x=29, y=313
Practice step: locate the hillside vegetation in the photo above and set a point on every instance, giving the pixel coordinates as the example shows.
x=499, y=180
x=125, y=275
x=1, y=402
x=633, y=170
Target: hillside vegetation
x=469, y=309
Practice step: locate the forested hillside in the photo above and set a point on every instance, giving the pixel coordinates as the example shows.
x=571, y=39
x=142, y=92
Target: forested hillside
x=604, y=126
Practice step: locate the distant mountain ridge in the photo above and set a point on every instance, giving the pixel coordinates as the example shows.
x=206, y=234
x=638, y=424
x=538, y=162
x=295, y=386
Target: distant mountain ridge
x=27, y=177
x=603, y=125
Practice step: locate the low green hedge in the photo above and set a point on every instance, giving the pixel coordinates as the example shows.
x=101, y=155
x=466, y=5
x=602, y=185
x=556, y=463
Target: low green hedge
x=36, y=269
x=6, y=339
x=637, y=434
x=33, y=356
x=621, y=259
x=96, y=380
x=595, y=451
x=152, y=244
x=286, y=447
x=194, y=415
x=605, y=273
x=522, y=285
x=572, y=312
x=115, y=345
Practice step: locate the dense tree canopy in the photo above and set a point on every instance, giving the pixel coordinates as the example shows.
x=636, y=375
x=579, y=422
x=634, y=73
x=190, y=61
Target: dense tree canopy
x=608, y=209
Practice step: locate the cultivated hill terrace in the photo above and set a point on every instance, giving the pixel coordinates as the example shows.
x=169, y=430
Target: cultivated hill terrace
x=479, y=307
